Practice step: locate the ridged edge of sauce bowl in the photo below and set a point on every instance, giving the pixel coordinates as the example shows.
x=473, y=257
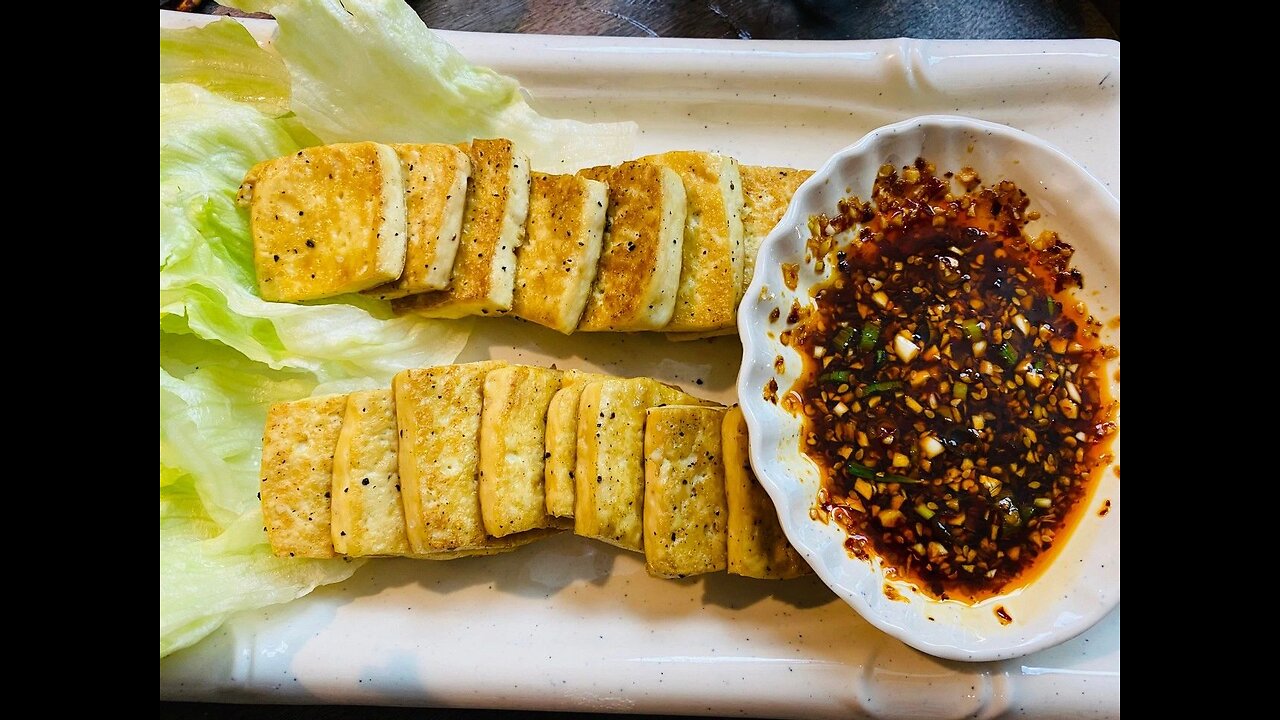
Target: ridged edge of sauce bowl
x=1082, y=582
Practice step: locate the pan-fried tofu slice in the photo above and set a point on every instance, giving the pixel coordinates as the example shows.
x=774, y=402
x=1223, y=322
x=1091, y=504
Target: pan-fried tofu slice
x=609, y=469
x=435, y=191
x=711, y=262
x=757, y=546
x=766, y=193
x=513, y=447
x=556, y=265
x=368, y=513
x=326, y=220
x=562, y=440
x=685, y=517
x=639, y=272
x=297, y=467
x=497, y=206
x=438, y=416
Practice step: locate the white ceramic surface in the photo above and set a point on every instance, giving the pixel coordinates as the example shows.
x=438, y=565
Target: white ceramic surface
x=1082, y=584
x=570, y=624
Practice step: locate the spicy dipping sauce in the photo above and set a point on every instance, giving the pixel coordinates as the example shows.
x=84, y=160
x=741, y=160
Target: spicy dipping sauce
x=955, y=394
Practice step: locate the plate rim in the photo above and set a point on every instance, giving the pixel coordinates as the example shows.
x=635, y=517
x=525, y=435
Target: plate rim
x=250, y=686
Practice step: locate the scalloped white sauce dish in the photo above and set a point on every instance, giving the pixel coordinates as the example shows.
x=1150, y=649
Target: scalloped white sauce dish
x=1081, y=582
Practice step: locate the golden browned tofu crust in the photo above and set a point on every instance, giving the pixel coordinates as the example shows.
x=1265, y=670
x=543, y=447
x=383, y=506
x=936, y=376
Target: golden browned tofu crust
x=766, y=193
x=639, y=270
x=609, y=469
x=493, y=226
x=757, y=546
x=685, y=515
x=513, y=448
x=368, y=513
x=326, y=220
x=297, y=469
x=556, y=265
x=562, y=440
x=435, y=190
x=438, y=415
x=711, y=260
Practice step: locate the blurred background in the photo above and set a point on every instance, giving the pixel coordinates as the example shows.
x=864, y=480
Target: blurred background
x=766, y=19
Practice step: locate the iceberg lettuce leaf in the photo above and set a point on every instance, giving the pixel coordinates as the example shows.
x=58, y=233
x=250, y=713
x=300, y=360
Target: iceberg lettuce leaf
x=355, y=70
x=223, y=57
x=207, y=143
x=370, y=70
x=214, y=556
x=226, y=355
x=207, y=572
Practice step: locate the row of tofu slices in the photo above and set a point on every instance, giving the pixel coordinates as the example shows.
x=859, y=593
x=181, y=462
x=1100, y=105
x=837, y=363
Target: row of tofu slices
x=481, y=458
x=666, y=242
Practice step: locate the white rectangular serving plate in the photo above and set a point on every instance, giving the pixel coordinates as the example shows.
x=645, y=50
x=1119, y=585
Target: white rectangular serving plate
x=571, y=624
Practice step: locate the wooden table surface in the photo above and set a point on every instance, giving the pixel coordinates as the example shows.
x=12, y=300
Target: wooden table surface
x=760, y=20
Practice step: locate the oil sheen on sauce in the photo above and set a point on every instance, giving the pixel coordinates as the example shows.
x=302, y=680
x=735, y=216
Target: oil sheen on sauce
x=955, y=393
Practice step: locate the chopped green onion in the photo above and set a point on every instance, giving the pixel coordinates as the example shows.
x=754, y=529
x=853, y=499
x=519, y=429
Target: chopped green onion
x=923, y=511
x=1053, y=308
x=835, y=376
x=879, y=387
x=1007, y=353
x=859, y=470
x=1038, y=365
x=870, y=335
x=844, y=338
x=960, y=390
x=973, y=329
x=881, y=356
